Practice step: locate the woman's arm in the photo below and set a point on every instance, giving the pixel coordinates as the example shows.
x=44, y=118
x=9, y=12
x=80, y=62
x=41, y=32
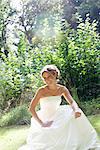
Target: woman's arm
x=33, y=104
x=71, y=101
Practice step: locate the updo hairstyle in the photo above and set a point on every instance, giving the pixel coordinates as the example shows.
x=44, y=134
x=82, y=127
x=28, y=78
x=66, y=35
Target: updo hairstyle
x=52, y=69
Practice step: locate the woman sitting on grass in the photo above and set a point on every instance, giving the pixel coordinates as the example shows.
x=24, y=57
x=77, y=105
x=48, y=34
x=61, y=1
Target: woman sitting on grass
x=55, y=126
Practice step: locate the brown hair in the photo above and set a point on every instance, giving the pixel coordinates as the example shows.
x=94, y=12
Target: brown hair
x=51, y=69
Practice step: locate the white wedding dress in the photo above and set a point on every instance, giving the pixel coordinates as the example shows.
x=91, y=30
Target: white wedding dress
x=65, y=133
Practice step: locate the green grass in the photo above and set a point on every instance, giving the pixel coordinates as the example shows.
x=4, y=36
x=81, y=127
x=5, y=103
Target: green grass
x=95, y=121
x=14, y=136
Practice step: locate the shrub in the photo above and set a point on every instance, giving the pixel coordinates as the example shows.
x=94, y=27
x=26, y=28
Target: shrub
x=91, y=107
x=16, y=115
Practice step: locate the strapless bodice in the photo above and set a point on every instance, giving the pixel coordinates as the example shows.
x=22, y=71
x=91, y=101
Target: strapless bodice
x=49, y=105
x=50, y=102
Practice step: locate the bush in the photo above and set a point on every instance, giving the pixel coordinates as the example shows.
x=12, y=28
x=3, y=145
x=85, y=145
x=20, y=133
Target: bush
x=18, y=115
x=91, y=107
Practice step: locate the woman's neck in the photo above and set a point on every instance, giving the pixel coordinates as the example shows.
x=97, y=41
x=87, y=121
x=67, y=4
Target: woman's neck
x=52, y=86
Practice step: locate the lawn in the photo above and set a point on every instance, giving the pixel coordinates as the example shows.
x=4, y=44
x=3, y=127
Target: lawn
x=14, y=136
x=95, y=121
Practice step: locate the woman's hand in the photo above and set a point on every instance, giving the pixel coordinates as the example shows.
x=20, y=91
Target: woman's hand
x=47, y=124
x=77, y=114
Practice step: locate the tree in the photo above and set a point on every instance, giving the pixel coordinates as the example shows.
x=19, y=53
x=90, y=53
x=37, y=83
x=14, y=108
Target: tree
x=33, y=14
x=79, y=52
x=91, y=7
x=6, y=13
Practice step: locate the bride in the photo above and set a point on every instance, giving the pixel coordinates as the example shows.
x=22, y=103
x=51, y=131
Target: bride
x=55, y=126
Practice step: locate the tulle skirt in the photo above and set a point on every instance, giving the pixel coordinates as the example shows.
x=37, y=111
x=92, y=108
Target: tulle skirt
x=66, y=132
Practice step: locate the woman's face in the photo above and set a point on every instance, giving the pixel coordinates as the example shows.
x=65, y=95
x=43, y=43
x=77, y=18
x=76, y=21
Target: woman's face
x=49, y=78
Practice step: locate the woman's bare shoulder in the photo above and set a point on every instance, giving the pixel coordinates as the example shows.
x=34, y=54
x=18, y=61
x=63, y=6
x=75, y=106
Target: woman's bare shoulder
x=62, y=88
x=42, y=87
x=41, y=90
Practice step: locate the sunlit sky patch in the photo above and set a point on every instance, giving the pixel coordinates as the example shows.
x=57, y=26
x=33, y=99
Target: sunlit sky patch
x=16, y=4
